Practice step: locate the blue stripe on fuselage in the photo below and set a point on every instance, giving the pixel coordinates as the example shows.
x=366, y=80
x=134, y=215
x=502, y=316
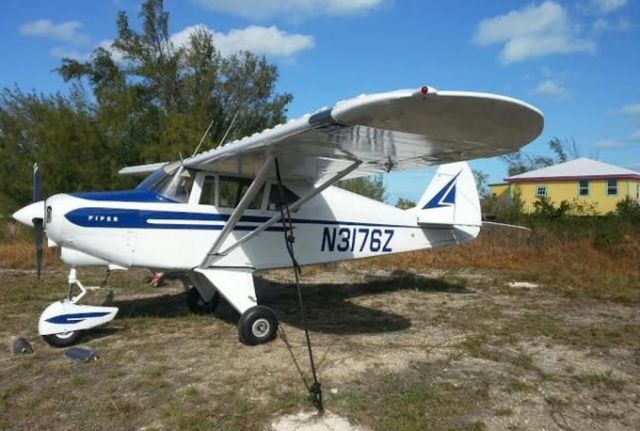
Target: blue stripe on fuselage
x=136, y=195
x=139, y=219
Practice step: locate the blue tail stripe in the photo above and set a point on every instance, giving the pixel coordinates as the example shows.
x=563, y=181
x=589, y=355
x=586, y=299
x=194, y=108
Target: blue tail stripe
x=445, y=197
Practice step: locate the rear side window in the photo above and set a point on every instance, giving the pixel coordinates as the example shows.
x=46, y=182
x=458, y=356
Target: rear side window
x=208, y=195
x=279, y=195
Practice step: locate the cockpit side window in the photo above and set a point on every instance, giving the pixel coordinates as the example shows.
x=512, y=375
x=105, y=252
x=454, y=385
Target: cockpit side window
x=232, y=189
x=208, y=195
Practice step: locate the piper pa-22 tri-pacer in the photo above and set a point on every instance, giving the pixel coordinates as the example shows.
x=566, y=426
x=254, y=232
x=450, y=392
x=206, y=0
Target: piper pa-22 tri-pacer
x=219, y=216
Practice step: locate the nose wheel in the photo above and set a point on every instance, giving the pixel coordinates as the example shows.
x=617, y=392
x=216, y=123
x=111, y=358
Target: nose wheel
x=62, y=339
x=62, y=323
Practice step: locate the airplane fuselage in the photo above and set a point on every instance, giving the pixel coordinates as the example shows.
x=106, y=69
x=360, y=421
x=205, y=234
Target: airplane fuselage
x=140, y=229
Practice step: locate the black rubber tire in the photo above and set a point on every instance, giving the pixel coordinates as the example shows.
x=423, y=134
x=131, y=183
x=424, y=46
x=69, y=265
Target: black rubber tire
x=196, y=304
x=54, y=340
x=257, y=325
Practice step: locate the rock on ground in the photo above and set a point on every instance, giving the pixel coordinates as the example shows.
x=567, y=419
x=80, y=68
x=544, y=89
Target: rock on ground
x=305, y=421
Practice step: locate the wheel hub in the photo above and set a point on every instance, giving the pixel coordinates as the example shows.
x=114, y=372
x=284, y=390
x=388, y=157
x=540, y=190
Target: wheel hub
x=260, y=328
x=65, y=335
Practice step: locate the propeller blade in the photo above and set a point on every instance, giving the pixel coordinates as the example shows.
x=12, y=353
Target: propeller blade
x=38, y=228
x=37, y=190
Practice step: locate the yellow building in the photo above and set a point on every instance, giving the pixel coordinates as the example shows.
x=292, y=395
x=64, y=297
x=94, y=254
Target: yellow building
x=594, y=186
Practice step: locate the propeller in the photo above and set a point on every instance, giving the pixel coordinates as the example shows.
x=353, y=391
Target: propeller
x=38, y=222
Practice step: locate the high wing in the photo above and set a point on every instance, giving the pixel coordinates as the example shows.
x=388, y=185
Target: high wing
x=141, y=169
x=383, y=132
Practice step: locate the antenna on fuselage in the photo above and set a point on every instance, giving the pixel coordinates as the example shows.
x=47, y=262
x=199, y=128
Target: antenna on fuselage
x=202, y=139
x=233, y=120
x=229, y=129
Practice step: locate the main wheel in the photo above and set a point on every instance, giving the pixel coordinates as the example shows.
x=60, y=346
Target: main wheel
x=257, y=325
x=197, y=304
x=63, y=339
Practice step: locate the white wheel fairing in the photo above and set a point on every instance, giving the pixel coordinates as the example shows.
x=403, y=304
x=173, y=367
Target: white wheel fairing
x=64, y=317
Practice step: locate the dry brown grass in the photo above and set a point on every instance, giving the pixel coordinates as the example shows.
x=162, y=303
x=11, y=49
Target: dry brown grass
x=573, y=263
x=17, y=247
x=570, y=258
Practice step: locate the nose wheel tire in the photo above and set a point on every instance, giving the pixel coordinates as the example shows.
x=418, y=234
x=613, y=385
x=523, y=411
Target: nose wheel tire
x=63, y=339
x=257, y=325
x=197, y=304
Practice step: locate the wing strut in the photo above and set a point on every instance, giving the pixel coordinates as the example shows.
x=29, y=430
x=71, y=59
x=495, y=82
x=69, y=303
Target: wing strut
x=254, y=188
x=297, y=204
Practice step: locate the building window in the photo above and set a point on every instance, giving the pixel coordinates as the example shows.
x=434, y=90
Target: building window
x=541, y=191
x=612, y=187
x=583, y=188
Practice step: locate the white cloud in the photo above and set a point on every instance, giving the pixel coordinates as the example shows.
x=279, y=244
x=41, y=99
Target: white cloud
x=633, y=109
x=66, y=52
x=610, y=144
x=551, y=88
x=67, y=31
x=533, y=31
x=608, y=6
x=602, y=25
x=107, y=45
x=296, y=9
x=269, y=41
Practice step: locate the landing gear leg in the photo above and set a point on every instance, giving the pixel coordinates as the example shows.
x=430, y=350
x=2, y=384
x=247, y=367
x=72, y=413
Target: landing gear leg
x=62, y=323
x=258, y=324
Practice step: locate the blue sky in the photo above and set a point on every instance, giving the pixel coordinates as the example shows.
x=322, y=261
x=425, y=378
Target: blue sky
x=578, y=61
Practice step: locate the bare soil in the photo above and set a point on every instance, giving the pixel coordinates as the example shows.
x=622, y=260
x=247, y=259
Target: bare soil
x=414, y=350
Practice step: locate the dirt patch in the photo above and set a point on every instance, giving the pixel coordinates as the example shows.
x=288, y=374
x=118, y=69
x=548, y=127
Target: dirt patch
x=408, y=350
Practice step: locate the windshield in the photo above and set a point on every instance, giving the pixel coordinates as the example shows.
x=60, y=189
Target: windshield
x=172, y=181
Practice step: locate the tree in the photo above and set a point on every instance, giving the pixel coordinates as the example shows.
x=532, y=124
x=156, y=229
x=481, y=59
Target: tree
x=174, y=91
x=144, y=99
x=405, y=204
x=563, y=150
x=482, y=183
x=372, y=187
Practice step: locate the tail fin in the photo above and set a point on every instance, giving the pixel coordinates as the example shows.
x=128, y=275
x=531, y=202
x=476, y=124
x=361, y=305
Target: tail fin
x=451, y=198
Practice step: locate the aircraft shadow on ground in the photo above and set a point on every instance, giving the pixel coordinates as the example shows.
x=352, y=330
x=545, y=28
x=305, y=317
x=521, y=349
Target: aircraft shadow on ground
x=328, y=306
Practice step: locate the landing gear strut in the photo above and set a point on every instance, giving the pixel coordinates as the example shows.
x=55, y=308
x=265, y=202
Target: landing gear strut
x=197, y=303
x=62, y=323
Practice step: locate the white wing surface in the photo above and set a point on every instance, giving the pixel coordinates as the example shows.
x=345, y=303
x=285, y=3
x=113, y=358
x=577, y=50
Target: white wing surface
x=393, y=131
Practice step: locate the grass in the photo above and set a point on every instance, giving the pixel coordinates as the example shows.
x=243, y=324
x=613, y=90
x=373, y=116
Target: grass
x=607, y=381
x=563, y=255
x=402, y=347
x=416, y=401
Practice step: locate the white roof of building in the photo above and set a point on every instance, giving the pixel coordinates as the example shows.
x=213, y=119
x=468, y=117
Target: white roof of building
x=578, y=168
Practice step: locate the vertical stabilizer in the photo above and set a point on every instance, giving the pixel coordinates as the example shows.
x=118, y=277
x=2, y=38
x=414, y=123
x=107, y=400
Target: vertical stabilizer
x=451, y=198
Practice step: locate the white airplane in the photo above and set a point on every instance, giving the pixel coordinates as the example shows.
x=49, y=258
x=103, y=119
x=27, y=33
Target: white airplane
x=219, y=216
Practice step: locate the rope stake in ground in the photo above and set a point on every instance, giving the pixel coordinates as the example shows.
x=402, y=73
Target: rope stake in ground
x=315, y=390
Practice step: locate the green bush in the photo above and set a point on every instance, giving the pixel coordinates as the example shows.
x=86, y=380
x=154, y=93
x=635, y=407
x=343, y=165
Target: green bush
x=628, y=209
